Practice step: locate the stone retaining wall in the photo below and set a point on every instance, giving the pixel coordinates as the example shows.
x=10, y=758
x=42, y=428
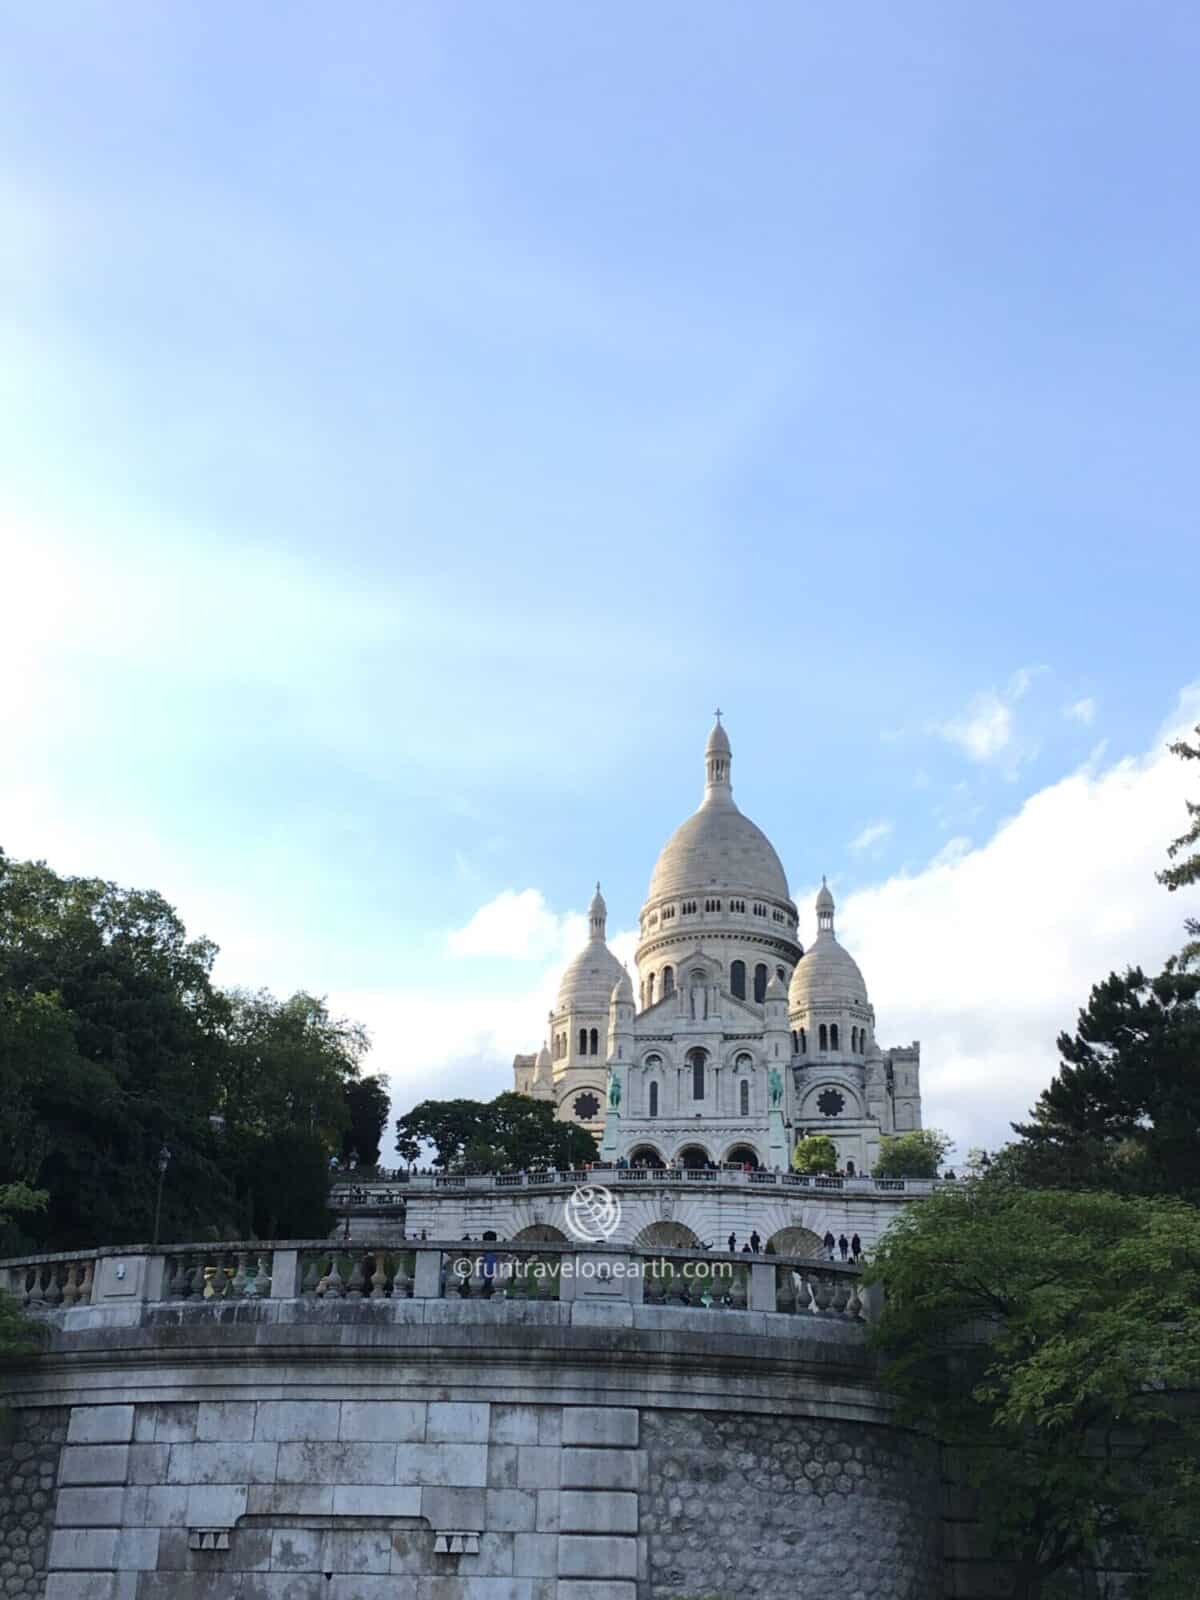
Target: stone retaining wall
x=30, y=1442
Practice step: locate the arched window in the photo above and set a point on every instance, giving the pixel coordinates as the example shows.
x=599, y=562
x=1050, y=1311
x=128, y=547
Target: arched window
x=803, y=1041
x=650, y=990
x=595, y=1043
x=833, y=1036
x=744, y=1098
x=696, y=1059
x=668, y=981
x=583, y=1041
x=849, y=1169
x=653, y=1099
x=824, y=1037
x=779, y=973
x=737, y=980
x=744, y=1062
x=760, y=983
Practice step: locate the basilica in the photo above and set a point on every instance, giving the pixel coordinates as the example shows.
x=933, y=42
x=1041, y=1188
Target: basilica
x=737, y=1038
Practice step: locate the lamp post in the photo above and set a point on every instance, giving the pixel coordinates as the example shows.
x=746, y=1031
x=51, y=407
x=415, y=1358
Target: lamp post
x=164, y=1161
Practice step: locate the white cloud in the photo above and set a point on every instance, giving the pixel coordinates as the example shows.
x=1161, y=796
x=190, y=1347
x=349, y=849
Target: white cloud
x=519, y=926
x=1082, y=711
x=986, y=729
x=873, y=833
x=988, y=954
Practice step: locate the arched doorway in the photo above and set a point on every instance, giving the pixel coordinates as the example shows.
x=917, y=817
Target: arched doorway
x=540, y=1233
x=667, y=1236
x=694, y=1157
x=743, y=1155
x=794, y=1242
x=645, y=1155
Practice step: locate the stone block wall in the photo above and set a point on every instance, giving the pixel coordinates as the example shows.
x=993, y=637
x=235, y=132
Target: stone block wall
x=359, y=1499
x=762, y=1505
x=30, y=1442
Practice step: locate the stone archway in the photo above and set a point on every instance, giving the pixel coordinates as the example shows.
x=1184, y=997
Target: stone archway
x=743, y=1155
x=693, y=1156
x=540, y=1233
x=645, y=1155
x=666, y=1236
x=794, y=1242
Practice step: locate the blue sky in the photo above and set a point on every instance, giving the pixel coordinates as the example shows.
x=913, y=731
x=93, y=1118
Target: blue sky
x=416, y=419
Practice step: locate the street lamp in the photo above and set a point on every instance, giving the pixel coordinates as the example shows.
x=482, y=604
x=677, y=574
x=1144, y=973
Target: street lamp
x=164, y=1161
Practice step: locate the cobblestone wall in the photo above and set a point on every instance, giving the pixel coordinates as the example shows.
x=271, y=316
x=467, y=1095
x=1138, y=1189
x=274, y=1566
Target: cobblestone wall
x=775, y=1507
x=30, y=1442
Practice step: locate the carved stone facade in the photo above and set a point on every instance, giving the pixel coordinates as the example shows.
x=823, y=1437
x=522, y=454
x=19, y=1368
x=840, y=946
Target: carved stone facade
x=736, y=1041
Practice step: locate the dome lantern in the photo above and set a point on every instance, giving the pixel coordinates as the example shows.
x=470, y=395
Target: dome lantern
x=718, y=759
x=597, y=916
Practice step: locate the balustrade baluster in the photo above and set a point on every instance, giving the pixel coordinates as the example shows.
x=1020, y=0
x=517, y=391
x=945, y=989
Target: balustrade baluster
x=737, y=1290
x=379, y=1278
x=652, y=1292
x=854, y=1306
x=841, y=1295
x=785, y=1289
x=70, y=1292
x=199, y=1278
x=237, y=1287
x=822, y=1293
x=53, y=1287
x=261, y=1287
x=312, y=1275
x=35, y=1297
x=85, y=1288
x=331, y=1285
x=357, y=1280
x=402, y=1284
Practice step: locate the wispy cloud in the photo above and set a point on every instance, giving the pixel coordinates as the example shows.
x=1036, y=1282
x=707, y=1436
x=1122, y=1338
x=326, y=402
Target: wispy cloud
x=874, y=833
x=986, y=730
x=1082, y=711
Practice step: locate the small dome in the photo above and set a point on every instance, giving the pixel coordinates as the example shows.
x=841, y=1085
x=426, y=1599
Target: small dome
x=623, y=989
x=718, y=740
x=775, y=989
x=589, y=980
x=543, y=1057
x=598, y=908
x=826, y=972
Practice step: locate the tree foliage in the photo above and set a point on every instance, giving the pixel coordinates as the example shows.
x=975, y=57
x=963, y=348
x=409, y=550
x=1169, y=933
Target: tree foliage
x=1053, y=1340
x=816, y=1152
x=1184, y=852
x=115, y=1043
x=367, y=1106
x=511, y=1131
x=1123, y=1110
x=918, y=1154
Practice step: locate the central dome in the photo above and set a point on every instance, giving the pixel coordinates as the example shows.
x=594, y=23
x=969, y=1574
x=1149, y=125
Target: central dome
x=717, y=847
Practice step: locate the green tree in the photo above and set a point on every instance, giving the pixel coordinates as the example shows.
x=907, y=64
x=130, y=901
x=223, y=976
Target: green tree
x=368, y=1103
x=511, y=1131
x=1053, y=1340
x=1185, y=851
x=816, y=1152
x=1123, y=1110
x=918, y=1154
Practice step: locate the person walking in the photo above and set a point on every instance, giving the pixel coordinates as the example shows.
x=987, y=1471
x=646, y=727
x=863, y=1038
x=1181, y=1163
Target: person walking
x=856, y=1247
x=755, y=1241
x=828, y=1242
x=732, y=1243
x=843, y=1245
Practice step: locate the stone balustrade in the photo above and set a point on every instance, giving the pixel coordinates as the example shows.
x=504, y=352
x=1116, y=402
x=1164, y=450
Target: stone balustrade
x=378, y=1192
x=313, y=1270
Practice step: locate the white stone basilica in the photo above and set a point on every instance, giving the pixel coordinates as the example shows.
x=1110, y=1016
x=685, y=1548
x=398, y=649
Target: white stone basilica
x=737, y=1040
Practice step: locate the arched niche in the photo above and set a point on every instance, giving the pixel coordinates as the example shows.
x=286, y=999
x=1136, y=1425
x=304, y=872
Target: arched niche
x=667, y=1236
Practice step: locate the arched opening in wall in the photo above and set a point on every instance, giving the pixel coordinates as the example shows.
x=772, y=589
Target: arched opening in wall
x=594, y=1042
x=694, y=1157
x=744, y=1098
x=824, y=1036
x=695, y=1060
x=667, y=1236
x=668, y=977
x=737, y=980
x=539, y=1233
x=650, y=990
x=760, y=983
x=583, y=1041
x=645, y=1155
x=794, y=1242
x=743, y=1155
x=489, y=1233
x=833, y=1035
x=850, y=1172
x=652, y=1108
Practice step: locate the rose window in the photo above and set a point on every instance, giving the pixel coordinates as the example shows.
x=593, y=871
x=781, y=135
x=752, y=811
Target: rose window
x=586, y=1107
x=830, y=1103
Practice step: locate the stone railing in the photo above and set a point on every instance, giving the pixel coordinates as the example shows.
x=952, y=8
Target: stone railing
x=324, y=1271
x=370, y=1194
